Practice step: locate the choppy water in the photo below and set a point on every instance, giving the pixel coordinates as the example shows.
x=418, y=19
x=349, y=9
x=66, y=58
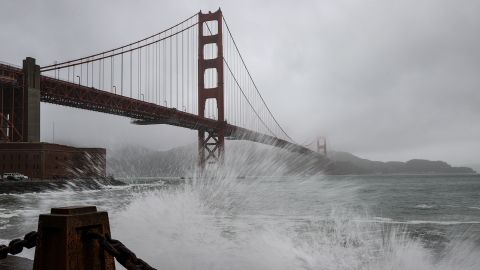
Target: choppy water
x=319, y=222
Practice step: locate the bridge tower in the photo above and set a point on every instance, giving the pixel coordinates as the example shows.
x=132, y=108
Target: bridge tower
x=31, y=103
x=211, y=143
x=322, y=147
x=20, y=104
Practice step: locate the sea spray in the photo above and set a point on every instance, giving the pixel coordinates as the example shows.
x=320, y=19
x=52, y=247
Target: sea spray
x=182, y=229
x=269, y=216
x=230, y=219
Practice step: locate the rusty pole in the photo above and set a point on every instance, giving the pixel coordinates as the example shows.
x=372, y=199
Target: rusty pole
x=62, y=245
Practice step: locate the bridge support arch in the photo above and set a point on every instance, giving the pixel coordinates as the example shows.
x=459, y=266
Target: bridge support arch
x=211, y=143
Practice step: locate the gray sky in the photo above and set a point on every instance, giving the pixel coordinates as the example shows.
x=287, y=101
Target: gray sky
x=387, y=80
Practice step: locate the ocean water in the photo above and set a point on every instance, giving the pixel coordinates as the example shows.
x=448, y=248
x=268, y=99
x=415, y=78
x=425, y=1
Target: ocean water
x=280, y=222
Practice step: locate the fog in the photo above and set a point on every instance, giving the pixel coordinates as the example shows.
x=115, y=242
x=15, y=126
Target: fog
x=386, y=80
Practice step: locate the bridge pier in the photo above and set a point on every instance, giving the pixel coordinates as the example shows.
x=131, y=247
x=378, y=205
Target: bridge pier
x=211, y=147
x=211, y=143
x=20, y=104
x=31, y=102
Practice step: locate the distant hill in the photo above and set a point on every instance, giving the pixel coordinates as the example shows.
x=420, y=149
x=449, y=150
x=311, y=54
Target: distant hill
x=475, y=167
x=137, y=161
x=346, y=163
x=251, y=159
x=241, y=159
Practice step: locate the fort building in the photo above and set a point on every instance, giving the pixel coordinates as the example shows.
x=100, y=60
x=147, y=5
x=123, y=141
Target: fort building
x=52, y=161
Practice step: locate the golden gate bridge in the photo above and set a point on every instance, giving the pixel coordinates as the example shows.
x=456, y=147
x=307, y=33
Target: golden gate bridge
x=190, y=75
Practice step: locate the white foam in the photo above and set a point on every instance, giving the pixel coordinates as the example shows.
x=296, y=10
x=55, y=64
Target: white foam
x=441, y=222
x=382, y=219
x=200, y=225
x=415, y=222
x=8, y=215
x=424, y=206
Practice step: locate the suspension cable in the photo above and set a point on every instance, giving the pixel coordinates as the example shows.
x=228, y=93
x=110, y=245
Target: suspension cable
x=122, y=47
x=250, y=76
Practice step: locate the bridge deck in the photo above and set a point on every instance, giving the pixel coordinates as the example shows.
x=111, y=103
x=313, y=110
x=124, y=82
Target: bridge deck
x=141, y=112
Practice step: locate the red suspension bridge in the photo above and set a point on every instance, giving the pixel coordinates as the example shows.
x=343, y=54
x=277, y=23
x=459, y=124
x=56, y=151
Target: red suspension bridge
x=190, y=75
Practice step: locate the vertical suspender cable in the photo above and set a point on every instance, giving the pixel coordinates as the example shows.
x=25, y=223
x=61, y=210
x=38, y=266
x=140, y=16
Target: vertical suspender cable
x=113, y=73
x=121, y=76
x=157, y=45
x=103, y=73
x=139, y=72
x=92, y=73
x=81, y=73
x=171, y=71
x=131, y=77
x=188, y=70
x=183, y=104
x=87, y=73
x=145, y=95
x=176, y=66
x=165, y=72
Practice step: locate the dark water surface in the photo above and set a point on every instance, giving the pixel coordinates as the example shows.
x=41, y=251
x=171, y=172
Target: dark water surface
x=321, y=222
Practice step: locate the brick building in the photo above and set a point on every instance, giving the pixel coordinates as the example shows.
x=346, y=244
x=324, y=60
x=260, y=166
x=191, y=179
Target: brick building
x=50, y=161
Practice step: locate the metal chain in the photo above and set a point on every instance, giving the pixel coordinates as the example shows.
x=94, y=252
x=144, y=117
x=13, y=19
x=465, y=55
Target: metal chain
x=16, y=245
x=120, y=252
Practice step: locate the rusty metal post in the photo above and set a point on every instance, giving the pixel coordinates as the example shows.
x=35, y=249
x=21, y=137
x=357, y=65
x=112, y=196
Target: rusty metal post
x=211, y=143
x=61, y=244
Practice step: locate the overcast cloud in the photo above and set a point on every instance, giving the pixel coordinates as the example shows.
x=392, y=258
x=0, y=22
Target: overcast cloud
x=387, y=80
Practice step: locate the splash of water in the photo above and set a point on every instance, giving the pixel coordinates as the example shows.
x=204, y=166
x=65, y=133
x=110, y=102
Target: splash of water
x=218, y=221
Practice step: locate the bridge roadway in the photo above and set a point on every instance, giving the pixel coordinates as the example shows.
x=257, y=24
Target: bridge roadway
x=141, y=112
